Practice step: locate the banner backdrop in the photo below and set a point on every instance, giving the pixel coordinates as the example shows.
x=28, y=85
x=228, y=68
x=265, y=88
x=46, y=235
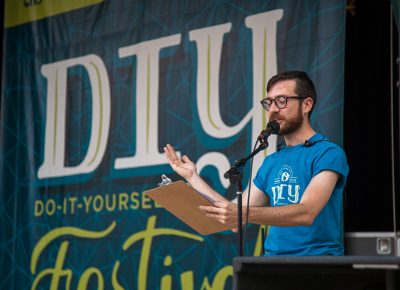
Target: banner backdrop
x=93, y=90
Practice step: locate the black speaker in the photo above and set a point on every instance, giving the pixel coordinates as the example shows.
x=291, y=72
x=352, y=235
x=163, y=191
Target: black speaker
x=311, y=273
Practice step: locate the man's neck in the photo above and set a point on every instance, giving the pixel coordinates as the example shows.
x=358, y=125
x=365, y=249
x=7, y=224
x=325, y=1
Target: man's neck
x=304, y=133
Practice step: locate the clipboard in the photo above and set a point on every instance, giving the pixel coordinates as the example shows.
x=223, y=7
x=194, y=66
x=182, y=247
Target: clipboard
x=183, y=201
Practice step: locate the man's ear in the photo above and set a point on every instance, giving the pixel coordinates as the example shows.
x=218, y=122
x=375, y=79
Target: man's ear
x=308, y=104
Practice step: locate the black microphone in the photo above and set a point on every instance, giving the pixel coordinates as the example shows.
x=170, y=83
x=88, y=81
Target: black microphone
x=272, y=128
x=235, y=170
x=308, y=143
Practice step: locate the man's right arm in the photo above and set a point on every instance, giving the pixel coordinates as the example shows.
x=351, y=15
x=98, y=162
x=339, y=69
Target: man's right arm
x=187, y=169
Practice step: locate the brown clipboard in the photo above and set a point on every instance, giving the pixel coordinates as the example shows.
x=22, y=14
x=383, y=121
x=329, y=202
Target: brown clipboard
x=183, y=202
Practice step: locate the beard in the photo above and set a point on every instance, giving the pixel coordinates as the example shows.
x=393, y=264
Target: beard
x=288, y=126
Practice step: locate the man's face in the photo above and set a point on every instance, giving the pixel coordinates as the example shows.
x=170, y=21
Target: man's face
x=291, y=117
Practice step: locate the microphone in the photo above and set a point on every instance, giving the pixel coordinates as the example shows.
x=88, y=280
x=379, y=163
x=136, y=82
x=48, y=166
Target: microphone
x=272, y=128
x=235, y=170
x=308, y=143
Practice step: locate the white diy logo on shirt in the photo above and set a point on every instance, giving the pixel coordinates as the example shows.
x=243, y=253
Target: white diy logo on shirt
x=286, y=190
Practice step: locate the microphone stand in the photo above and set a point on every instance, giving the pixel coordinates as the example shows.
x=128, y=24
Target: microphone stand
x=235, y=175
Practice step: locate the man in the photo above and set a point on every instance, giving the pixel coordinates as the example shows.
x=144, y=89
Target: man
x=298, y=190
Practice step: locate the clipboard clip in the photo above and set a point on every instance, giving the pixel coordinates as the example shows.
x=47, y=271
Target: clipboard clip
x=164, y=180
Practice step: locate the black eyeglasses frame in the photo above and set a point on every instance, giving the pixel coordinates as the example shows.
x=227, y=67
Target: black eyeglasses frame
x=267, y=106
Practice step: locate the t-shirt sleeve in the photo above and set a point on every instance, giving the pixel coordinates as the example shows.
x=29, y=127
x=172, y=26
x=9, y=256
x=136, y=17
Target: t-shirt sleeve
x=332, y=158
x=260, y=179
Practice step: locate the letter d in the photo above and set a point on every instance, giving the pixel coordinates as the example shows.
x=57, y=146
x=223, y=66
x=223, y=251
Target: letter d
x=54, y=150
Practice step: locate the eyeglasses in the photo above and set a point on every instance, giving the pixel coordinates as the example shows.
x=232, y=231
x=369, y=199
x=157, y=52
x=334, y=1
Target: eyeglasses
x=280, y=101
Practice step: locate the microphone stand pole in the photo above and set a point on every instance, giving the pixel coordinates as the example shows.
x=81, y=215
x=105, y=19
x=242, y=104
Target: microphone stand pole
x=235, y=176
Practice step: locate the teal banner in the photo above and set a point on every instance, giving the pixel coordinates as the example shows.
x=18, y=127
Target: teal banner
x=91, y=93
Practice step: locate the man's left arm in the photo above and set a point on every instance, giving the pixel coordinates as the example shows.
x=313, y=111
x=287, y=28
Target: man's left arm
x=315, y=197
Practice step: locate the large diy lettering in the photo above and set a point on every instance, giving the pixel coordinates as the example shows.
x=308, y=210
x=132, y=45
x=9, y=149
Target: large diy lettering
x=209, y=43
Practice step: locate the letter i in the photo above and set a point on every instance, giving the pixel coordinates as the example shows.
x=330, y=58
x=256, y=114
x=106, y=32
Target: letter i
x=65, y=206
x=166, y=280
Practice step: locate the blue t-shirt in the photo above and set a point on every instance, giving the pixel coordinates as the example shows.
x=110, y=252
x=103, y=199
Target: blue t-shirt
x=284, y=176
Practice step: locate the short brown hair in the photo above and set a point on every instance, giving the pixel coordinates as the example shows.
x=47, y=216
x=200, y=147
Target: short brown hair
x=304, y=85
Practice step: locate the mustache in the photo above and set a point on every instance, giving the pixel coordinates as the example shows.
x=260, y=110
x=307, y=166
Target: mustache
x=274, y=117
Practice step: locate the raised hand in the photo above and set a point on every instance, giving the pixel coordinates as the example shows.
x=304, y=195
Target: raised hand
x=183, y=166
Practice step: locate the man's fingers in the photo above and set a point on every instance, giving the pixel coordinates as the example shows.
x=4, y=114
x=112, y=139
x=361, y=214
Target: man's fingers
x=218, y=213
x=218, y=217
x=171, y=155
x=172, y=151
x=169, y=151
x=185, y=159
x=210, y=209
